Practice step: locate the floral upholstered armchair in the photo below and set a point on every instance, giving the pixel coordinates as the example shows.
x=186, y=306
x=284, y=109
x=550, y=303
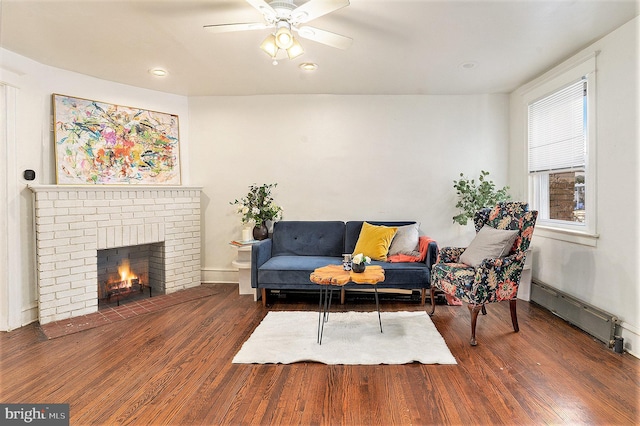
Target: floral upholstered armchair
x=489, y=269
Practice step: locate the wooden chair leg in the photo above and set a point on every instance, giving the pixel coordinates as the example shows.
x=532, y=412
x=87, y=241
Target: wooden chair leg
x=264, y=297
x=433, y=301
x=514, y=315
x=342, y=295
x=423, y=296
x=474, y=310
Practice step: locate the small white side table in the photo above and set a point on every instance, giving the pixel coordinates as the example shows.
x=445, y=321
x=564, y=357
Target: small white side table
x=243, y=263
x=524, y=288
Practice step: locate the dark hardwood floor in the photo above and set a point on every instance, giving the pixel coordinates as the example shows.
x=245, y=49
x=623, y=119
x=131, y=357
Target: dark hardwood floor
x=174, y=367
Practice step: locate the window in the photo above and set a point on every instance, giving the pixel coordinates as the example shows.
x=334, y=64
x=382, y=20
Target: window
x=560, y=134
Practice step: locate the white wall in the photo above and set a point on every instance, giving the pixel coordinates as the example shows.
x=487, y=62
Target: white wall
x=34, y=149
x=342, y=158
x=607, y=275
x=334, y=157
x=358, y=157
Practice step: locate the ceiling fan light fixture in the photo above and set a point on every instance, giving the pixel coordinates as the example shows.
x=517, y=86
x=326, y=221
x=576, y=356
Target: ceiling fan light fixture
x=269, y=46
x=285, y=16
x=284, y=38
x=295, y=50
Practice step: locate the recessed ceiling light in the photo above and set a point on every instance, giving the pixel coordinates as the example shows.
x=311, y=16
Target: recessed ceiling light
x=158, y=72
x=468, y=65
x=308, y=66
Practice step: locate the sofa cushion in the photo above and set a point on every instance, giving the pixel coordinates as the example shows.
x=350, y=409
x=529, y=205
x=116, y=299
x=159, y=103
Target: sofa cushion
x=406, y=240
x=404, y=275
x=293, y=272
x=308, y=238
x=293, y=269
x=374, y=241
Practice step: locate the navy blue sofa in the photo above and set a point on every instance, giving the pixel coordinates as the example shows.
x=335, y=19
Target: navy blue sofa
x=286, y=259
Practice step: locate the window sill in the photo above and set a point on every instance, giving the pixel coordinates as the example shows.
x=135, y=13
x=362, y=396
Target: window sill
x=569, y=236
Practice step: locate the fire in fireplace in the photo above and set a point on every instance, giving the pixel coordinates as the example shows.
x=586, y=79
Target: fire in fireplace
x=126, y=273
x=125, y=284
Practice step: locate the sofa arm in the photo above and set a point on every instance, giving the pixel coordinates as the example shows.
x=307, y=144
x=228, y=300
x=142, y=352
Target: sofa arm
x=260, y=253
x=432, y=254
x=497, y=279
x=450, y=254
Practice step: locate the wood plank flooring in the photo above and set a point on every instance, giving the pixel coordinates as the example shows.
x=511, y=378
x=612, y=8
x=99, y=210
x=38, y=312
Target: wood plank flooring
x=173, y=367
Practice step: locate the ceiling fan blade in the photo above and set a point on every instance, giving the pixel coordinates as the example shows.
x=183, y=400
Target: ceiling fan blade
x=325, y=37
x=263, y=7
x=246, y=26
x=315, y=8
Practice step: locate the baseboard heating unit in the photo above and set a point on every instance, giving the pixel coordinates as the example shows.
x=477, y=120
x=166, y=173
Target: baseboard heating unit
x=595, y=321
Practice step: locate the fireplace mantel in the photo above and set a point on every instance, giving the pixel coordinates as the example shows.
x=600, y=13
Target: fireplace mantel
x=73, y=222
x=109, y=188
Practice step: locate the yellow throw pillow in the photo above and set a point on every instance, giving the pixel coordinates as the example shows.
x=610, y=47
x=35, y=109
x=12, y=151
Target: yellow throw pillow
x=374, y=241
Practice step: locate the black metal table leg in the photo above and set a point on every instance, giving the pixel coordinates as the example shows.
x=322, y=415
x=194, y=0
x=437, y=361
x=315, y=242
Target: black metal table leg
x=320, y=314
x=324, y=313
x=326, y=318
x=375, y=289
x=323, y=309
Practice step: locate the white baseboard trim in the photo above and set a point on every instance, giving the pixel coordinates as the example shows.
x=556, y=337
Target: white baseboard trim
x=30, y=314
x=219, y=276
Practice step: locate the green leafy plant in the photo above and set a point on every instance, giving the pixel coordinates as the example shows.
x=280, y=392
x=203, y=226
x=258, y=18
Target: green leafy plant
x=258, y=206
x=473, y=197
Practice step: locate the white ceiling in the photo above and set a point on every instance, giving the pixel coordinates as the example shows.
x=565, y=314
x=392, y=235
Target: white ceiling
x=399, y=47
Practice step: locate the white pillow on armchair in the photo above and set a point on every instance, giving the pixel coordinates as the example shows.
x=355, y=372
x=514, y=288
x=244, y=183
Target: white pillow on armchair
x=488, y=243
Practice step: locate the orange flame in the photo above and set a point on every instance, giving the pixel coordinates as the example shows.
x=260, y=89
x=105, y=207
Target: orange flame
x=125, y=273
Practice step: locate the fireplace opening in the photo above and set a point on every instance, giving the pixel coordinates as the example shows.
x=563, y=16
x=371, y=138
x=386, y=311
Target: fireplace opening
x=126, y=274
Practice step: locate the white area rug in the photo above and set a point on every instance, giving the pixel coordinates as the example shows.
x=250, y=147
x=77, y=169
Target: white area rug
x=349, y=338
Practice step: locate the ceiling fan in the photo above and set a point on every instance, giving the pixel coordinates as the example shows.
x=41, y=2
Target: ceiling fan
x=285, y=16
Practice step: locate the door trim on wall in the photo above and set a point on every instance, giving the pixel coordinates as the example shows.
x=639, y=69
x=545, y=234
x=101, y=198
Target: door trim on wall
x=10, y=281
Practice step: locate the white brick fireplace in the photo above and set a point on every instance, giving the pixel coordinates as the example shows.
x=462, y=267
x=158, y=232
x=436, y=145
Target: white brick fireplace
x=73, y=222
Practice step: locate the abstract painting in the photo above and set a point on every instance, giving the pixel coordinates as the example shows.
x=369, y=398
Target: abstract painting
x=101, y=143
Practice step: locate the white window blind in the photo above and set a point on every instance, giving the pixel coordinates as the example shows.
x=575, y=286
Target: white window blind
x=557, y=130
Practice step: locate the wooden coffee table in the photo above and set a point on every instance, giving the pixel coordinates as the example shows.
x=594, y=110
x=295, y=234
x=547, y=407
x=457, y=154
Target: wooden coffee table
x=334, y=276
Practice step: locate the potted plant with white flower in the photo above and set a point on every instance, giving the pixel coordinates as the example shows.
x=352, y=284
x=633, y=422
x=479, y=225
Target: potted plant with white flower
x=257, y=208
x=359, y=262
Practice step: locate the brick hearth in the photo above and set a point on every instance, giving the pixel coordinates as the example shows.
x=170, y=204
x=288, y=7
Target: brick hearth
x=113, y=314
x=73, y=222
